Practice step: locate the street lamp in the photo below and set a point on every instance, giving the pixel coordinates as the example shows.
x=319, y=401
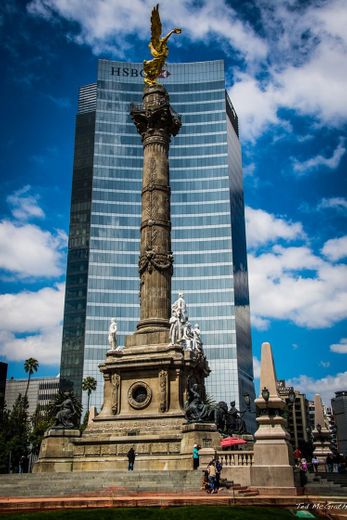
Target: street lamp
x=291, y=396
x=265, y=394
x=247, y=400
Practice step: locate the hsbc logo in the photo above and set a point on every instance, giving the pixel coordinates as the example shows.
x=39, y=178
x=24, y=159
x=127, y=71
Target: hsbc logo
x=127, y=72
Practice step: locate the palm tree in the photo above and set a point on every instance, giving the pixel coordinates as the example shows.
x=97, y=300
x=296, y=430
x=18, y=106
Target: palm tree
x=30, y=366
x=88, y=385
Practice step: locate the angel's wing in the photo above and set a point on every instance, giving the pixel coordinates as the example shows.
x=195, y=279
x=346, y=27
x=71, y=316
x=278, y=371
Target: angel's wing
x=156, y=27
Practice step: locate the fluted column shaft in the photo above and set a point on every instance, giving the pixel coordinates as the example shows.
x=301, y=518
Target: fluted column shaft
x=156, y=122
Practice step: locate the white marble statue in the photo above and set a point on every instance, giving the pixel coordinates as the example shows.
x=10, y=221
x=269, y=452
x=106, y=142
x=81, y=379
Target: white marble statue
x=180, y=307
x=178, y=320
x=175, y=327
x=112, y=335
x=188, y=337
x=181, y=330
x=197, y=343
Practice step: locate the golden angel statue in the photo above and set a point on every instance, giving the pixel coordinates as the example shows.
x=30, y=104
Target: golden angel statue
x=158, y=47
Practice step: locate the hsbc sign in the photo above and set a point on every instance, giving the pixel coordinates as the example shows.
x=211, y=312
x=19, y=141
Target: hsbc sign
x=128, y=72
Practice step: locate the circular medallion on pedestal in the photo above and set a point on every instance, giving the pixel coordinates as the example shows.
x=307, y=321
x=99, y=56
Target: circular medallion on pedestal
x=139, y=395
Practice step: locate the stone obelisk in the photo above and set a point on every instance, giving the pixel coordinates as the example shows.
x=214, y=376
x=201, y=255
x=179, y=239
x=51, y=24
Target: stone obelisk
x=272, y=470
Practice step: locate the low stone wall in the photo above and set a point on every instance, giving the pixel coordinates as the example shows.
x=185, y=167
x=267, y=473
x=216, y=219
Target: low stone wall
x=236, y=466
x=236, y=458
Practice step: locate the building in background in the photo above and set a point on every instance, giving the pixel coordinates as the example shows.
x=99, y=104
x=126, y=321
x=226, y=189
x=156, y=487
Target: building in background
x=3, y=376
x=42, y=390
x=207, y=214
x=339, y=406
x=298, y=423
x=311, y=414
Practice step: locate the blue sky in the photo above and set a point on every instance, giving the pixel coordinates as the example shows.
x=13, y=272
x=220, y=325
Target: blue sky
x=287, y=77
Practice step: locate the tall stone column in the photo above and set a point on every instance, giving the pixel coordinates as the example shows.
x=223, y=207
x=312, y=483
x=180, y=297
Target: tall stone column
x=156, y=122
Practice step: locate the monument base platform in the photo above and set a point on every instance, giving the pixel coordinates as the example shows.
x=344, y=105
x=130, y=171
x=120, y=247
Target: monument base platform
x=68, y=450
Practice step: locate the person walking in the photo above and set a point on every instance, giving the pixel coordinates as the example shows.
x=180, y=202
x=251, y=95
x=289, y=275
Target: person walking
x=195, y=456
x=219, y=468
x=315, y=464
x=21, y=464
x=303, y=471
x=297, y=455
x=330, y=463
x=212, y=474
x=131, y=459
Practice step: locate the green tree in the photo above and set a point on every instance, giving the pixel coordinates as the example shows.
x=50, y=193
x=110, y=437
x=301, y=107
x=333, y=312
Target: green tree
x=41, y=421
x=16, y=436
x=89, y=386
x=4, y=440
x=30, y=366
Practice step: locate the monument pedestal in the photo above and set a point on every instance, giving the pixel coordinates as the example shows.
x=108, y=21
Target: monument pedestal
x=145, y=390
x=150, y=382
x=272, y=471
x=203, y=434
x=57, y=450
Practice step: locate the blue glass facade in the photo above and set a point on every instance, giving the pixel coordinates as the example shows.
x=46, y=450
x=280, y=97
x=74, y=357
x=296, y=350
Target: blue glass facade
x=207, y=213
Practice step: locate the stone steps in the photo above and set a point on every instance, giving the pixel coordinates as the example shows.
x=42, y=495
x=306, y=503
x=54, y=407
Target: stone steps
x=245, y=491
x=65, y=484
x=248, y=493
x=324, y=484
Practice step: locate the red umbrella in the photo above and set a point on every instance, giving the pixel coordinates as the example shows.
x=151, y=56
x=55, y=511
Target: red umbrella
x=231, y=441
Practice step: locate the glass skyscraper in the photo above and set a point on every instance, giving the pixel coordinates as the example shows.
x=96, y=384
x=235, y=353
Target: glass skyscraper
x=207, y=214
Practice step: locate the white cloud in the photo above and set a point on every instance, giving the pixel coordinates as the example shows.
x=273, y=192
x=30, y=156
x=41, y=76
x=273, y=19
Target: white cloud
x=326, y=386
x=280, y=288
x=44, y=346
x=30, y=311
x=259, y=323
x=294, y=283
x=339, y=348
x=256, y=105
x=30, y=324
x=60, y=102
x=306, y=69
x=324, y=364
x=318, y=161
x=336, y=248
x=107, y=25
x=263, y=228
x=26, y=250
x=248, y=170
x=338, y=203
x=25, y=205
x=256, y=367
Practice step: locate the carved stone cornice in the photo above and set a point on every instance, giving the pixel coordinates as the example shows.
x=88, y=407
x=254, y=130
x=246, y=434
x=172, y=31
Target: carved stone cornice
x=161, y=223
x=153, y=187
x=155, y=122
